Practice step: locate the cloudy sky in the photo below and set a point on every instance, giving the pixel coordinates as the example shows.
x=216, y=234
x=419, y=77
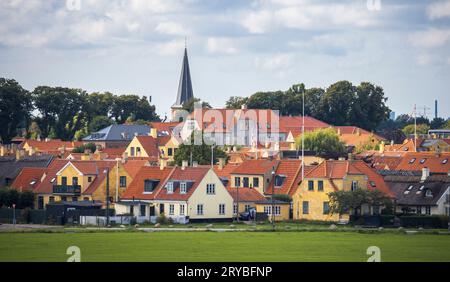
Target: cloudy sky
x=235, y=47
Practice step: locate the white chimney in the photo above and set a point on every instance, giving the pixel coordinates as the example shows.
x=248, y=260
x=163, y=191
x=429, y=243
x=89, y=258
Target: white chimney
x=195, y=164
x=184, y=164
x=425, y=173
x=162, y=164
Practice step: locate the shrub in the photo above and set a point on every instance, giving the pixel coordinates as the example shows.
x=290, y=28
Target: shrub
x=428, y=221
x=162, y=219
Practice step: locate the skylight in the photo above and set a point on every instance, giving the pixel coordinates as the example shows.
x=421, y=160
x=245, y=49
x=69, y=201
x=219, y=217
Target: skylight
x=33, y=182
x=52, y=180
x=410, y=188
x=422, y=161
x=444, y=161
x=412, y=160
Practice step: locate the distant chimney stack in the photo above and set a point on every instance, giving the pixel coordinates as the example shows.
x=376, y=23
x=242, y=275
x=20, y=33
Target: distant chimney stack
x=154, y=132
x=2, y=151
x=425, y=174
x=221, y=163
x=162, y=164
x=184, y=164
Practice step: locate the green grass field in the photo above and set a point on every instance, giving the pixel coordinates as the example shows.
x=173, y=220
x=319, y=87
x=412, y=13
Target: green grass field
x=229, y=246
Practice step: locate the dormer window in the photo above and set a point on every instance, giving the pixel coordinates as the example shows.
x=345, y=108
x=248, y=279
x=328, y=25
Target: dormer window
x=279, y=180
x=428, y=193
x=183, y=188
x=412, y=160
x=169, y=187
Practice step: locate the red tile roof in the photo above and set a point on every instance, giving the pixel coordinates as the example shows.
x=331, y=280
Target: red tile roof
x=46, y=185
x=136, y=188
x=416, y=161
x=51, y=145
x=133, y=166
x=113, y=153
x=332, y=169
x=28, y=179
x=150, y=145
x=101, y=166
x=294, y=124
x=256, y=167
x=245, y=194
x=375, y=181
x=164, y=126
x=291, y=170
x=194, y=174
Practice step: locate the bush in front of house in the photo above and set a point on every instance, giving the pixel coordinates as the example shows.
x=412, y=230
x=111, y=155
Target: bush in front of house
x=162, y=219
x=426, y=221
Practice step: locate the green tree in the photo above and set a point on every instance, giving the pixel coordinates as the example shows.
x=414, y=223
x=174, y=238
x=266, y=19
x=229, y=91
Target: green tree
x=421, y=129
x=58, y=107
x=189, y=105
x=89, y=146
x=26, y=200
x=99, y=122
x=235, y=102
x=125, y=106
x=200, y=153
x=15, y=108
x=447, y=124
x=34, y=131
x=437, y=123
x=343, y=202
x=325, y=142
x=99, y=104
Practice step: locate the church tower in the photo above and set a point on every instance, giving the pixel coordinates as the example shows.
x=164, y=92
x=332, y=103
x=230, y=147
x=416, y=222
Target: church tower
x=185, y=92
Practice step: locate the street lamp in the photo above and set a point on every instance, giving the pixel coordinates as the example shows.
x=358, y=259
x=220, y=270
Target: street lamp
x=273, y=204
x=106, y=171
x=14, y=215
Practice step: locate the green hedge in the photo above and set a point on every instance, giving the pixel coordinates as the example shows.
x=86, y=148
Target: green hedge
x=427, y=221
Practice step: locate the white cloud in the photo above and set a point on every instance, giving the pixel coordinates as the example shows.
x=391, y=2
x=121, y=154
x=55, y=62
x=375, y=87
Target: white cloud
x=438, y=10
x=171, y=28
x=305, y=15
x=430, y=38
x=173, y=47
x=424, y=59
x=274, y=62
x=217, y=45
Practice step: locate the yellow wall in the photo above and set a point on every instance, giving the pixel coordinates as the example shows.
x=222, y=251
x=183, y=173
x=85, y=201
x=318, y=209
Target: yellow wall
x=100, y=193
x=317, y=198
x=70, y=171
x=210, y=202
x=172, y=144
x=284, y=211
x=136, y=144
x=262, y=181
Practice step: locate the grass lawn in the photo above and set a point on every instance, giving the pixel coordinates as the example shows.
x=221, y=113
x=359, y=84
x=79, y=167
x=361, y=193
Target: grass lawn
x=229, y=246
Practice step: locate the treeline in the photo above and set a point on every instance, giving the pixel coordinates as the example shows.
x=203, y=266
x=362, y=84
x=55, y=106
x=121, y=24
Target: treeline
x=65, y=113
x=341, y=103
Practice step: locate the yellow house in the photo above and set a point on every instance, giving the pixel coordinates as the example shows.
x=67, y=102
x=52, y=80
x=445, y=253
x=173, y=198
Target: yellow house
x=167, y=146
x=255, y=174
x=68, y=180
x=143, y=147
x=311, y=200
x=280, y=209
x=194, y=193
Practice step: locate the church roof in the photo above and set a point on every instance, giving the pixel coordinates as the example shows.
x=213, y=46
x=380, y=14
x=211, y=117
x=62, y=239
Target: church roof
x=185, y=92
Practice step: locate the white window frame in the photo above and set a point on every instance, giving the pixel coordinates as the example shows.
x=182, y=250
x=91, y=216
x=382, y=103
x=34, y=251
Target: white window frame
x=222, y=209
x=201, y=209
x=169, y=187
x=183, y=188
x=211, y=189
x=171, y=209
x=182, y=209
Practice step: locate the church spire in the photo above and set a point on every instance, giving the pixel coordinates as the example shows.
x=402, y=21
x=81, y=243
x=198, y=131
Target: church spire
x=185, y=92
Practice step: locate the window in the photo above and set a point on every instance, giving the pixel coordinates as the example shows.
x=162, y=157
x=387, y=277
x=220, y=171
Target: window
x=222, y=209
x=354, y=185
x=132, y=210
x=64, y=199
x=428, y=210
x=279, y=180
x=235, y=208
x=320, y=185
x=411, y=161
x=150, y=185
x=132, y=151
x=74, y=199
x=419, y=209
x=444, y=161
x=183, y=188
x=51, y=199
x=74, y=180
x=422, y=161
x=211, y=189
x=63, y=180
x=255, y=182
x=123, y=181
x=245, y=182
x=267, y=209
x=169, y=187
x=142, y=210
x=89, y=178
x=310, y=185
x=277, y=210
x=171, y=209
x=237, y=182
x=326, y=207
x=169, y=151
x=305, y=207
x=428, y=193
x=199, y=209
x=33, y=182
x=181, y=209
x=138, y=151
x=53, y=180
x=86, y=199
x=247, y=208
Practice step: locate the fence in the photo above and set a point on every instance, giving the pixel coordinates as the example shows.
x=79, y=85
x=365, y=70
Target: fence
x=23, y=216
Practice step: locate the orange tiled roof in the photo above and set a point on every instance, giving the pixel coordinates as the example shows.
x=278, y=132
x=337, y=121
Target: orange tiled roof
x=245, y=194
x=52, y=145
x=193, y=174
x=100, y=176
x=375, y=181
x=136, y=188
x=416, y=161
x=407, y=146
x=290, y=169
x=149, y=144
x=46, y=185
x=28, y=179
x=255, y=167
x=134, y=166
x=113, y=152
x=333, y=169
x=164, y=126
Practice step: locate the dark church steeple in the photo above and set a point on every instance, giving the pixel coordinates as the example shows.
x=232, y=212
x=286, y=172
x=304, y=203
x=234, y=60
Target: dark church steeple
x=185, y=92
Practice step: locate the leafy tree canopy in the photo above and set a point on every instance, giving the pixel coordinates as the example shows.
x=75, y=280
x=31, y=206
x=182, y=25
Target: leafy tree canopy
x=325, y=142
x=342, y=202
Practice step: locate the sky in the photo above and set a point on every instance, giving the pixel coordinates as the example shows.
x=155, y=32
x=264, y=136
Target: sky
x=235, y=47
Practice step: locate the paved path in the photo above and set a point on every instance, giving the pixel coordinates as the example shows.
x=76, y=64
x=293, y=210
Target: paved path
x=8, y=227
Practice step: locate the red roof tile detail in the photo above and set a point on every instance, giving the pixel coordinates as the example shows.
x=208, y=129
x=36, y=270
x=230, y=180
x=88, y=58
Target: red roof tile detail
x=256, y=167
x=245, y=194
x=136, y=188
x=28, y=179
x=416, y=161
x=149, y=144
